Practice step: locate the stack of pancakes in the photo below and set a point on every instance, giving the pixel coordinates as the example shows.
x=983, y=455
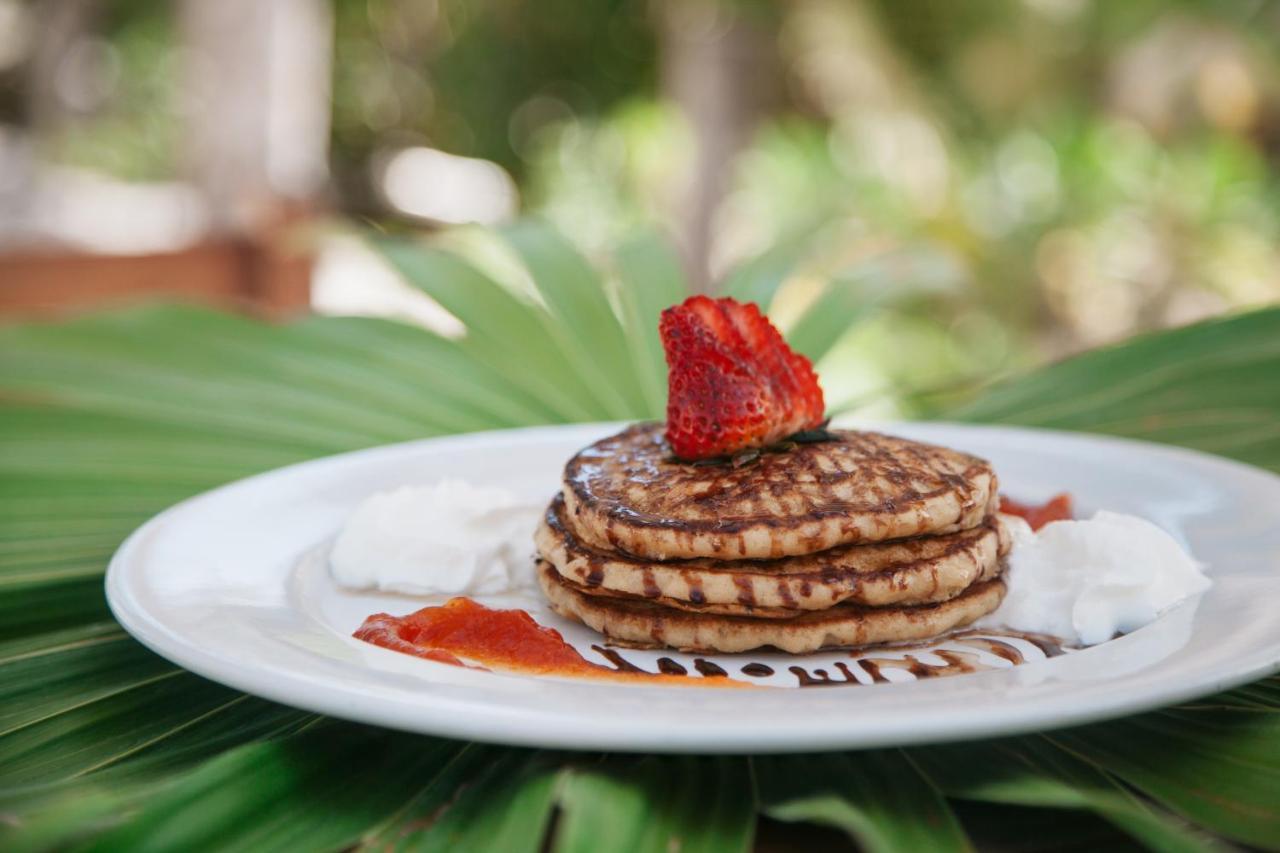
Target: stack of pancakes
x=854, y=540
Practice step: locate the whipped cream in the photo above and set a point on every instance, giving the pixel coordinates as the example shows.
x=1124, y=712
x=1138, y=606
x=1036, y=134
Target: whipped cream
x=450, y=538
x=1084, y=581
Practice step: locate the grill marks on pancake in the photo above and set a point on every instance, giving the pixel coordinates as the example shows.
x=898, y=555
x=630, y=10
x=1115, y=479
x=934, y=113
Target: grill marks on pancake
x=626, y=493
x=651, y=589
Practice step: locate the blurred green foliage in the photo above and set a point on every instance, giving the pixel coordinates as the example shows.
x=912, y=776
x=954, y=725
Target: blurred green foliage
x=478, y=78
x=129, y=124
x=1094, y=169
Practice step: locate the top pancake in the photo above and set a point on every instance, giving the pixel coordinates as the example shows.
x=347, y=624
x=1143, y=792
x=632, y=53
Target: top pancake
x=628, y=493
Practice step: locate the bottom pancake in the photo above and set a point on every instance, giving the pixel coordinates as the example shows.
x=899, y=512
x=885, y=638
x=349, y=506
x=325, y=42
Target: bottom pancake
x=642, y=623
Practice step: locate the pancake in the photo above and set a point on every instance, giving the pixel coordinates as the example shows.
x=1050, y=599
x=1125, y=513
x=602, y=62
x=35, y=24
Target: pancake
x=626, y=493
x=643, y=623
x=912, y=571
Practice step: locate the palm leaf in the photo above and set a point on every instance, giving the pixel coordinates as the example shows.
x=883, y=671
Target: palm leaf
x=110, y=418
x=1213, y=386
x=1220, y=767
x=508, y=806
x=759, y=279
x=1031, y=772
x=580, y=317
x=649, y=280
x=504, y=332
x=688, y=804
x=867, y=795
x=866, y=287
x=316, y=790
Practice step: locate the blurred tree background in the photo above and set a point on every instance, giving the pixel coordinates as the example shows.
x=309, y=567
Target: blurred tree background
x=1074, y=171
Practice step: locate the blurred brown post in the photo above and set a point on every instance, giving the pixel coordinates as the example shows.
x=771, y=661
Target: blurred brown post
x=718, y=66
x=256, y=106
x=257, y=90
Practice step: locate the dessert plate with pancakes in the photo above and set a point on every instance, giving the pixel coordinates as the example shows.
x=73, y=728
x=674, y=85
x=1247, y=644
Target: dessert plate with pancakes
x=234, y=585
x=742, y=577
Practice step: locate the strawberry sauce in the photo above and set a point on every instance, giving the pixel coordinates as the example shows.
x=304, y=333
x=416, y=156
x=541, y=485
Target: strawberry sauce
x=1057, y=508
x=508, y=640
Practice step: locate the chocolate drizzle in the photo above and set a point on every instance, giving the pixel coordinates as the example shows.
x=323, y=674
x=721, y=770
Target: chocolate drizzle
x=915, y=661
x=807, y=680
x=999, y=648
x=707, y=668
x=872, y=668
x=620, y=663
x=1048, y=645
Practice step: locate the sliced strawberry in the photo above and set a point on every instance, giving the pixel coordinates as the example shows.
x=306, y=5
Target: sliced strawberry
x=733, y=383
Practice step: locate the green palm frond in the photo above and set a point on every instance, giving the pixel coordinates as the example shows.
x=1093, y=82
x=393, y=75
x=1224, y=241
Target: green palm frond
x=109, y=418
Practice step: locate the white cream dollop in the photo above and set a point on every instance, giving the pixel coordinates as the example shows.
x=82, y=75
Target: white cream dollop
x=1084, y=581
x=450, y=538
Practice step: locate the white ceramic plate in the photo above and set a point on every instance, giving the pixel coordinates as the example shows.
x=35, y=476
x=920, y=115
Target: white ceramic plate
x=232, y=585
